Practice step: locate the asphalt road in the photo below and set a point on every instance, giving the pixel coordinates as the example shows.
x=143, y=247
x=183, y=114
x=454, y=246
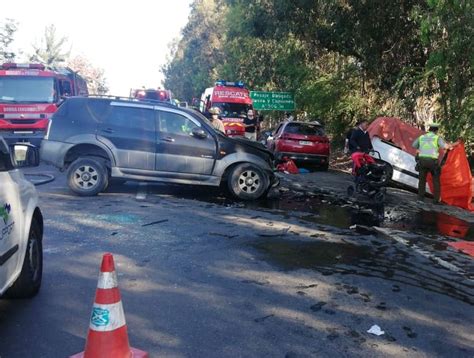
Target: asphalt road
x=201, y=276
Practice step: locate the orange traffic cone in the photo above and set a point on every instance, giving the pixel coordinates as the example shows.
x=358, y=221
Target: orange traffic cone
x=107, y=337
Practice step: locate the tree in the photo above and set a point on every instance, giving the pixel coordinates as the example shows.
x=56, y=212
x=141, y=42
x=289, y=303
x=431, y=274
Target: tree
x=51, y=50
x=8, y=27
x=447, y=32
x=96, y=81
x=343, y=59
x=195, y=56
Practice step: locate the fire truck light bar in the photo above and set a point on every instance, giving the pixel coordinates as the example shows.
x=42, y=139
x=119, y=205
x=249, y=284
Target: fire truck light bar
x=230, y=84
x=31, y=66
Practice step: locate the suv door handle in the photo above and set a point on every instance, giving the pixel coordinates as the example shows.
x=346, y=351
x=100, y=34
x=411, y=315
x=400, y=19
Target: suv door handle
x=107, y=130
x=167, y=139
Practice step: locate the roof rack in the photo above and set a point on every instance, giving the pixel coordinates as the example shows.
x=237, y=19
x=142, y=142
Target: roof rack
x=130, y=99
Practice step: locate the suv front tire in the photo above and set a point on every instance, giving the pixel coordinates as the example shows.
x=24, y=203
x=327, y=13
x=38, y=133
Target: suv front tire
x=87, y=176
x=247, y=182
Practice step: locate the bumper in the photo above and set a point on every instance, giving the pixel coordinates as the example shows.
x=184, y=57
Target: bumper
x=303, y=158
x=53, y=153
x=34, y=137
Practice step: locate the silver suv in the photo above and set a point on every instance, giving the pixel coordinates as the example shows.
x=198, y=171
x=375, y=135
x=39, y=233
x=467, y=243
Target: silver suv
x=98, y=139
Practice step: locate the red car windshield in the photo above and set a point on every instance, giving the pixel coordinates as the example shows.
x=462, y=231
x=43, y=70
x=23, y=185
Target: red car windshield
x=27, y=89
x=305, y=129
x=232, y=109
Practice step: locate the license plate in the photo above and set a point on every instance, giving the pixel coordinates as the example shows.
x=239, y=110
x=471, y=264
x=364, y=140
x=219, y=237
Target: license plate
x=305, y=142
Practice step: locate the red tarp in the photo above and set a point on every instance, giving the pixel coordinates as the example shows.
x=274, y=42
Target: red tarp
x=456, y=177
x=396, y=131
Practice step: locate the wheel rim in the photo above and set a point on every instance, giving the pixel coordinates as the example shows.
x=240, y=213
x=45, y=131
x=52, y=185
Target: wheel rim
x=86, y=177
x=249, y=181
x=34, y=258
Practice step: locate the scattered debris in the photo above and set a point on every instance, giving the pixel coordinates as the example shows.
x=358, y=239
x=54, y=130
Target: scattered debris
x=410, y=333
x=223, y=235
x=261, y=319
x=318, y=306
x=303, y=287
x=155, y=222
x=376, y=330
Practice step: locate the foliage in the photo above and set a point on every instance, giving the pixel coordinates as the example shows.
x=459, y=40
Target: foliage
x=94, y=76
x=50, y=51
x=447, y=31
x=8, y=27
x=196, y=56
x=343, y=59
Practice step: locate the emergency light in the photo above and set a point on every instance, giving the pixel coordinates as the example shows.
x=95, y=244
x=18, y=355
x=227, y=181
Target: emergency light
x=31, y=66
x=239, y=84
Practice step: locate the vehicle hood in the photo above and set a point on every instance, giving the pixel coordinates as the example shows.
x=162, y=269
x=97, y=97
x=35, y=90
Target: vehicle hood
x=252, y=144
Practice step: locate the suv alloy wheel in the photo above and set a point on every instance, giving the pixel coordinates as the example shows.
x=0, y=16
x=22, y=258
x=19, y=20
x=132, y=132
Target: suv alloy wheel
x=87, y=176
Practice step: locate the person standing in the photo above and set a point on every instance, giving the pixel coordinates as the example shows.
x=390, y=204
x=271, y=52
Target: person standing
x=215, y=121
x=250, y=123
x=289, y=117
x=360, y=139
x=427, y=154
x=347, y=140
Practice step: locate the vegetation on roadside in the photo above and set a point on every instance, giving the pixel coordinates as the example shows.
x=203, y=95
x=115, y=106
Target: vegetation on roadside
x=52, y=50
x=343, y=59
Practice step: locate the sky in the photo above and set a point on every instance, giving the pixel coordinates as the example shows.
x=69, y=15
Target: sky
x=128, y=39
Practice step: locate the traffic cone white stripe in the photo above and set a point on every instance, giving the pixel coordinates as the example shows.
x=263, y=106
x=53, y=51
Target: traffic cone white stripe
x=105, y=318
x=107, y=280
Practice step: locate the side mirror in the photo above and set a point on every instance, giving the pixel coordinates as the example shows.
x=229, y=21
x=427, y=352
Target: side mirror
x=25, y=155
x=199, y=133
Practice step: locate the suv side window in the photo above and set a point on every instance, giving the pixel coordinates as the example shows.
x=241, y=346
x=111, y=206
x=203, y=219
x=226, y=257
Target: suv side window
x=130, y=117
x=174, y=123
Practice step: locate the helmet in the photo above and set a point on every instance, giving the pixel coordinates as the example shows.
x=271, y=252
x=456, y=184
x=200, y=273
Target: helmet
x=434, y=125
x=214, y=110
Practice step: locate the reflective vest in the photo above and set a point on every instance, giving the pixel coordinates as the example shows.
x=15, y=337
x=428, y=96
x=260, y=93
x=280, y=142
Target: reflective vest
x=428, y=146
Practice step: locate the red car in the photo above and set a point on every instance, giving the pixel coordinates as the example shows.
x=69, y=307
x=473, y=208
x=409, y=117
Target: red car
x=304, y=142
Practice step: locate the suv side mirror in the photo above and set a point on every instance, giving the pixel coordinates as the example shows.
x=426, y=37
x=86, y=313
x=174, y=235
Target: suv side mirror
x=25, y=155
x=199, y=133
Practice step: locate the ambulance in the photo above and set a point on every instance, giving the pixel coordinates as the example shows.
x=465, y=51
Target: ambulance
x=233, y=100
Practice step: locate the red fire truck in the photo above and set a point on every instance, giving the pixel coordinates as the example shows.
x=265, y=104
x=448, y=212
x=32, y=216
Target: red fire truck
x=153, y=94
x=29, y=95
x=233, y=99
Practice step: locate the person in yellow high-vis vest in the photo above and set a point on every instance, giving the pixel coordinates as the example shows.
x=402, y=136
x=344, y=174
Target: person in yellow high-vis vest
x=428, y=146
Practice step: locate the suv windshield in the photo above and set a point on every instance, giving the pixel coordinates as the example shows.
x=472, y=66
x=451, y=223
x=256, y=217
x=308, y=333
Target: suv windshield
x=232, y=109
x=304, y=128
x=25, y=89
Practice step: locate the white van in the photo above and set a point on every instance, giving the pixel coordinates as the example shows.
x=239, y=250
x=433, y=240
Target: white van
x=402, y=163
x=21, y=223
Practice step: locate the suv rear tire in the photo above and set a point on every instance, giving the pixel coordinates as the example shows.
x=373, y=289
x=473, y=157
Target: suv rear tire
x=247, y=182
x=87, y=177
x=29, y=281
